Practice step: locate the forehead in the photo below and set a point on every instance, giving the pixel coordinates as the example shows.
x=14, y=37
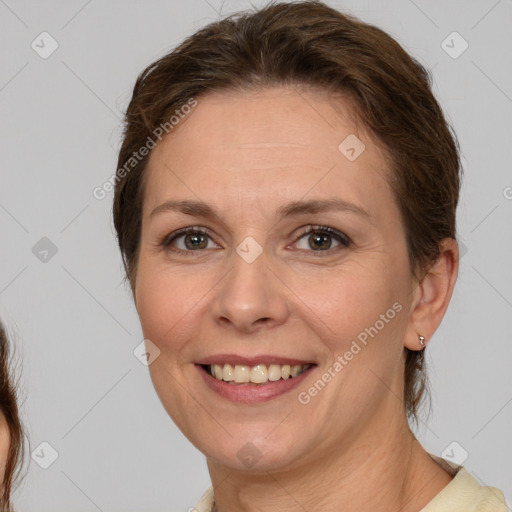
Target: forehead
x=274, y=140
x=300, y=116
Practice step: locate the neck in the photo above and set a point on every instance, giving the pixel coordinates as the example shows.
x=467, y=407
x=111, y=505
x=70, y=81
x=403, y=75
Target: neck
x=380, y=470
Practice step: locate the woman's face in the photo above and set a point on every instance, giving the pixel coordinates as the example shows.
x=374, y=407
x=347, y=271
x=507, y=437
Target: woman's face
x=256, y=287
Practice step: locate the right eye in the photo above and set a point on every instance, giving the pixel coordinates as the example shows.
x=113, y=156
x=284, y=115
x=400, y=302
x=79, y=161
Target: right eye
x=188, y=240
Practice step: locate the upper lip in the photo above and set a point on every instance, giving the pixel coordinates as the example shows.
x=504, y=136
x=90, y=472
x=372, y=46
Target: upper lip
x=265, y=359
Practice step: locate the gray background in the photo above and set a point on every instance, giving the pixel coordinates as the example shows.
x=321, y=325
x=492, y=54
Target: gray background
x=87, y=395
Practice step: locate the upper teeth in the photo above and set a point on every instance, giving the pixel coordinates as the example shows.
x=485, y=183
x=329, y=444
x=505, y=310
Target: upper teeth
x=256, y=374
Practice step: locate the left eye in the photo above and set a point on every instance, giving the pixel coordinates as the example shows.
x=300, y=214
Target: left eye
x=188, y=240
x=321, y=239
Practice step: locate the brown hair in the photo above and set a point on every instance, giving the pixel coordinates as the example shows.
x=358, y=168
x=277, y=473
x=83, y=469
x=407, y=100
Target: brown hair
x=9, y=408
x=312, y=44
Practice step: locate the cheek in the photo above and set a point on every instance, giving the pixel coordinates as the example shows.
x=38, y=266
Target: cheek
x=166, y=306
x=360, y=318
x=170, y=303
x=161, y=301
x=153, y=306
x=349, y=301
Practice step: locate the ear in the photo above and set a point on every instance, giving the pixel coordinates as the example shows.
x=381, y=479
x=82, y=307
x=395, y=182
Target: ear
x=432, y=295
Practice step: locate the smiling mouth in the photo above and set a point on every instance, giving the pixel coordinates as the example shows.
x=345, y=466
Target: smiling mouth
x=258, y=374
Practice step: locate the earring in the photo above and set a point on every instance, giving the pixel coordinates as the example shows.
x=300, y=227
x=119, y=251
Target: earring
x=422, y=340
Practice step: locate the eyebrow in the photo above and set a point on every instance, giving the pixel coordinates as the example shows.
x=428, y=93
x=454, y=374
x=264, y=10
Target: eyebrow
x=201, y=209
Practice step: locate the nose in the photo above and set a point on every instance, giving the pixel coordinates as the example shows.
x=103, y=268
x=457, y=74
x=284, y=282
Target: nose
x=251, y=296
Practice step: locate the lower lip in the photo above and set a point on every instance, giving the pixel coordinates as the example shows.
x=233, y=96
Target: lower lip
x=252, y=393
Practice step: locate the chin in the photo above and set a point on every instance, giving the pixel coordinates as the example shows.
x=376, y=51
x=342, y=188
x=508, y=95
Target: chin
x=252, y=453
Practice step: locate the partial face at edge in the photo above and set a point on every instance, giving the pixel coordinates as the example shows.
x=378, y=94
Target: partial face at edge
x=306, y=296
x=5, y=444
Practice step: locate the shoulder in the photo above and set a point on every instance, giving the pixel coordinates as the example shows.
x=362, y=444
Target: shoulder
x=464, y=493
x=205, y=503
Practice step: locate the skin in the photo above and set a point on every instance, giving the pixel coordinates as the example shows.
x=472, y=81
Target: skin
x=5, y=443
x=248, y=154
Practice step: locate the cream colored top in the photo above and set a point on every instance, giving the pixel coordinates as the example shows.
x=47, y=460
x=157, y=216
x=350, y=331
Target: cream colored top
x=462, y=494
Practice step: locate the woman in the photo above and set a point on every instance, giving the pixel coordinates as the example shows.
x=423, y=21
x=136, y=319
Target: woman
x=285, y=207
x=11, y=433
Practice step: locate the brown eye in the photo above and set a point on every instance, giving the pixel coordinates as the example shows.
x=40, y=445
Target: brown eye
x=188, y=240
x=320, y=241
x=195, y=241
x=321, y=238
